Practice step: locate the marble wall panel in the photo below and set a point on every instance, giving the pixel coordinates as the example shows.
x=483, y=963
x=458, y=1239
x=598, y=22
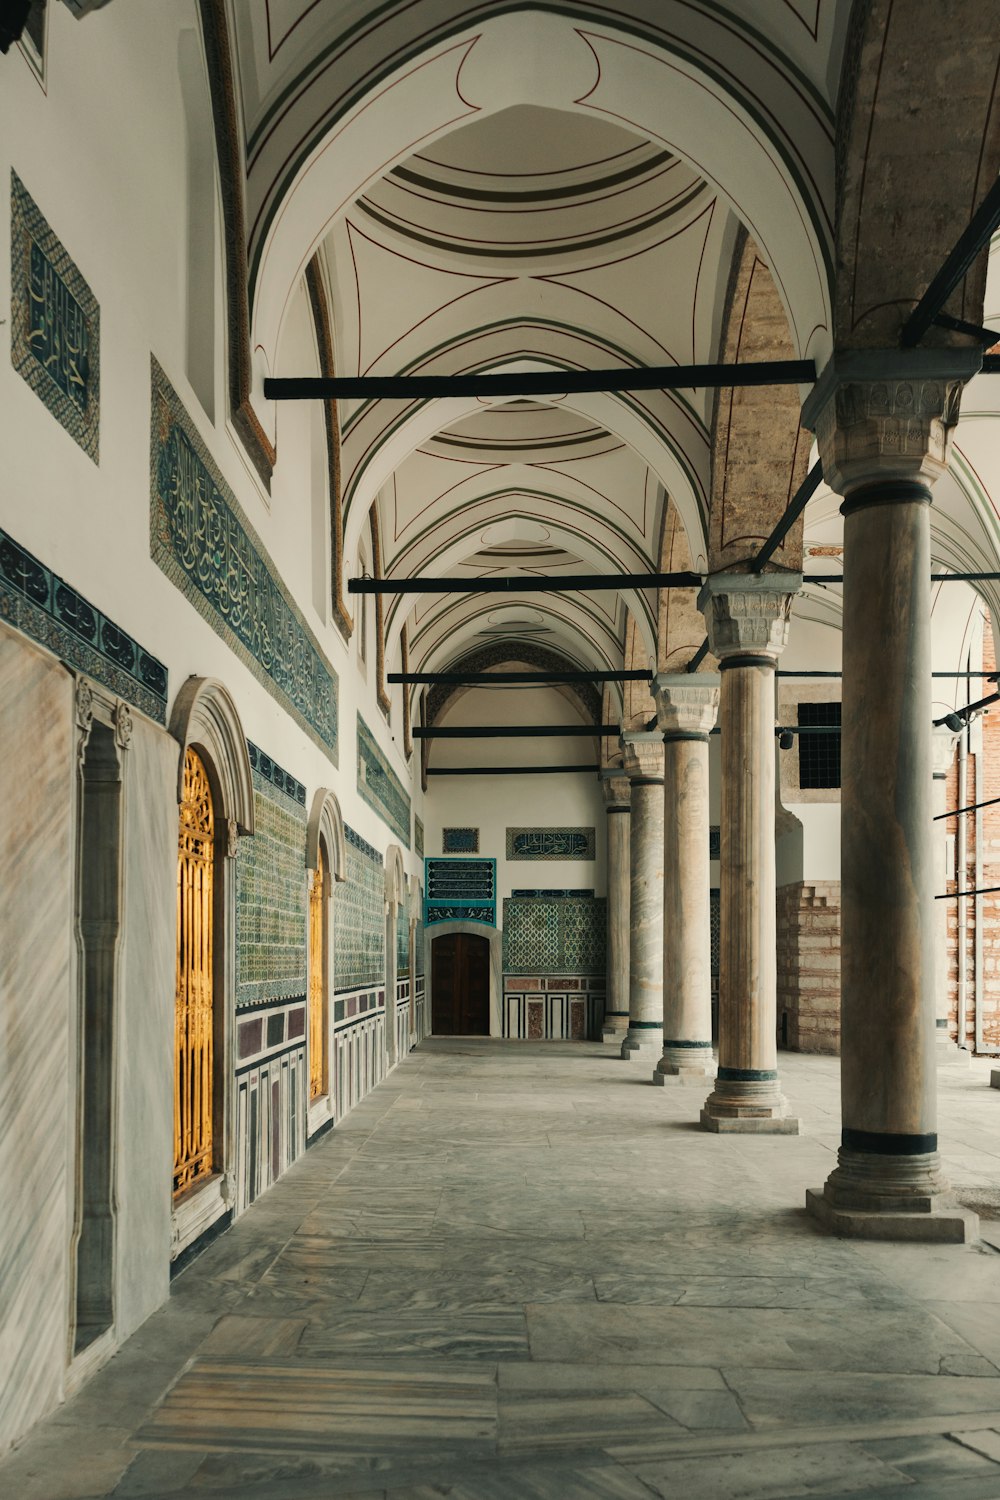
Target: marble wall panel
x=36, y=967
x=146, y=1024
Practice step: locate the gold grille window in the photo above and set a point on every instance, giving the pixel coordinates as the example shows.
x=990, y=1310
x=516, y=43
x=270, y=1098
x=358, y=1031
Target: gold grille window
x=317, y=980
x=194, y=1018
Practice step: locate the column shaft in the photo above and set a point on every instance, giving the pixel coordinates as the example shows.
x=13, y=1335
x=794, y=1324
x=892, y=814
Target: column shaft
x=686, y=711
x=645, y=1024
x=616, y=1010
x=747, y=1094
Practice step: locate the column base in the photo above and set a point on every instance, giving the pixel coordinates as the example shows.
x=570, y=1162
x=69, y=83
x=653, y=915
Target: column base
x=614, y=1029
x=995, y=1078
x=947, y=1051
x=685, y=1063
x=878, y=1195
x=642, y=1043
x=747, y=1101
x=945, y=1224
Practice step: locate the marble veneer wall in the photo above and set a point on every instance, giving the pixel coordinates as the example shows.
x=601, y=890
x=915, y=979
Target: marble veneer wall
x=359, y=974
x=41, y=730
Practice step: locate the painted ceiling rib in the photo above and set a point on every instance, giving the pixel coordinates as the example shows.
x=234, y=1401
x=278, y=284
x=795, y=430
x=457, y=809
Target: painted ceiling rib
x=540, y=382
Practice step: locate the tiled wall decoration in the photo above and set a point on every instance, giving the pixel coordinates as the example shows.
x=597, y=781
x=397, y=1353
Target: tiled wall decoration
x=418, y=837
x=418, y=948
x=562, y=935
x=380, y=787
x=550, y=843
x=55, y=325
x=460, y=841
x=44, y=607
x=269, y=770
x=271, y=895
x=206, y=546
x=359, y=918
x=460, y=890
x=402, y=942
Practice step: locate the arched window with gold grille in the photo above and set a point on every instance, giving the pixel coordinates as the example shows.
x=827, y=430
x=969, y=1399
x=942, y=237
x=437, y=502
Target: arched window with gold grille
x=194, y=1013
x=317, y=979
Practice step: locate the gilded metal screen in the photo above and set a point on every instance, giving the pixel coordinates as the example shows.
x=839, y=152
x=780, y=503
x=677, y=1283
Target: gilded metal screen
x=194, y=998
x=317, y=986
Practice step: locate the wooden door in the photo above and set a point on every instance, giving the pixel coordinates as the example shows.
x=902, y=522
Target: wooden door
x=460, y=985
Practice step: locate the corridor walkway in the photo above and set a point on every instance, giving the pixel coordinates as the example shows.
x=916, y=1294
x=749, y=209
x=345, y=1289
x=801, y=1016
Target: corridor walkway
x=519, y=1270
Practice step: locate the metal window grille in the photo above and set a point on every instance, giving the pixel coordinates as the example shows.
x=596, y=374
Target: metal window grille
x=819, y=754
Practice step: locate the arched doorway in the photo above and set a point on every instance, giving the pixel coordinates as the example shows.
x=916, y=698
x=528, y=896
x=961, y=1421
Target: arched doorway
x=460, y=985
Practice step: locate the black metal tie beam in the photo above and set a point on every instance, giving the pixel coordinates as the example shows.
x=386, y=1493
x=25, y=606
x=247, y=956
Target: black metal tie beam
x=474, y=679
x=986, y=336
x=985, y=890
x=963, y=713
x=973, y=238
x=790, y=672
x=572, y=583
x=793, y=510
x=516, y=732
x=957, y=812
x=698, y=657
x=539, y=382
x=510, y=770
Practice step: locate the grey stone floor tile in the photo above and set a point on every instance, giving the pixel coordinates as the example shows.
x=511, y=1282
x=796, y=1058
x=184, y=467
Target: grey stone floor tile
x=792, y=1398
x=834, y=1468
x=934, y=1458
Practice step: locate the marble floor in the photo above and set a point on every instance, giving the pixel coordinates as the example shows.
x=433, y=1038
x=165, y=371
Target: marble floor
x=520, y=1270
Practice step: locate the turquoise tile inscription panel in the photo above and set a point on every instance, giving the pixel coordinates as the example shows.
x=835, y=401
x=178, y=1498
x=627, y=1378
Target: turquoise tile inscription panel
x=55, y=323
x=207, y=547
x=46, y=608
x=550, y=843
x=380, y=787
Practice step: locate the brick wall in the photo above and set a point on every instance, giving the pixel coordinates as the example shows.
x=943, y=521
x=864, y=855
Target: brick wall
x=983, y=782
x=809, y=966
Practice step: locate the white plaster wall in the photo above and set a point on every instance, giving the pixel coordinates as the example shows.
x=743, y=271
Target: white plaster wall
x=37, y=842
x=126, y=230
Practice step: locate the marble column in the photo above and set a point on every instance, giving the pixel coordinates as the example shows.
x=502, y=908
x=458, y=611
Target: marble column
x=943, y=741
x=618, y=809
x=643, y=755
x=686, y=708
x=747, y=618
x=882, y=420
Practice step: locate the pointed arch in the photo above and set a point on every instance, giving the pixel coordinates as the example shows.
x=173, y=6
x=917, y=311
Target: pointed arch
x=326, y=821
x=205, y=719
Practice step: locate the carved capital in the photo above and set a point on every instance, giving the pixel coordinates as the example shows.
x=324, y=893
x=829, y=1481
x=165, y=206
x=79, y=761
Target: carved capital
x=686, y=702
x=84, y=705
x=943, y=742
x=747, y=614
x=887, y=414
x=123, y=724
x=642, y=753
x=232, y=837
x=617, y=788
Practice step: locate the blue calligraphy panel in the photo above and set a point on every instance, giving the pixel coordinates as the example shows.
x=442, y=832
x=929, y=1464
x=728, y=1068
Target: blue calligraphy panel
x=550, y=843
x=460, y=890
x=204, y=544
x=379, y=785
x=55, y=323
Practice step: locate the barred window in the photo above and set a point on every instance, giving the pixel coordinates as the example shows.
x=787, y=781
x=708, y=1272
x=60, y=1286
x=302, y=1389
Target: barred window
x=819, y=754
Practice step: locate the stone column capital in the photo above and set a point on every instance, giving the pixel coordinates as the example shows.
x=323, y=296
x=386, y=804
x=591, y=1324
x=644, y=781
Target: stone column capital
x=642, y=753
x=616, y=787
x=746, y=614
x=943, y=742
x=887, y=414
x=687, y=703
